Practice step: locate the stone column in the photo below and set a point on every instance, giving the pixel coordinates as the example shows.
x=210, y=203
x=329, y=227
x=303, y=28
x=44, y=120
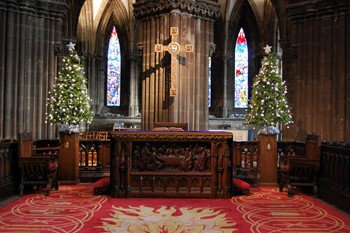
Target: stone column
x=95, y=84
x=315, y=66
x=27, y=64
x=195, y=23
x=134, y=106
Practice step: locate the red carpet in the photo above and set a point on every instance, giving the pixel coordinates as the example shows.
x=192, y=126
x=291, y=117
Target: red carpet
x=268, y=210
x=75, y=209
x=66, y=210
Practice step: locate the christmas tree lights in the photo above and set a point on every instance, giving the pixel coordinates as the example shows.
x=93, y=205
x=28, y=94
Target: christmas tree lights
x=69, y=101
x=268, y=105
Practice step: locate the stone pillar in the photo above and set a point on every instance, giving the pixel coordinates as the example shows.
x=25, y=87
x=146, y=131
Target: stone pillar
x=9, y=73
x=134, y=106
x=318, y=72
x=196, y=26
x=95, y=84
x=28, y=64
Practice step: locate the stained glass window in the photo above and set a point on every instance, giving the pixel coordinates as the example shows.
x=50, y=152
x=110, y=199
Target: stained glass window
x=241, y=71
x=209, y=83
x=113, y=70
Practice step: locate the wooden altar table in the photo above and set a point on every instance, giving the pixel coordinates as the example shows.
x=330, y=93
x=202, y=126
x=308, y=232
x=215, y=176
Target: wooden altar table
x=191, y=164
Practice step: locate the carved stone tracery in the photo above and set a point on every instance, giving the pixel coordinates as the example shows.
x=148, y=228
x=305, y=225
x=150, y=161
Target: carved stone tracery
x=311, y=10
x=149, y=8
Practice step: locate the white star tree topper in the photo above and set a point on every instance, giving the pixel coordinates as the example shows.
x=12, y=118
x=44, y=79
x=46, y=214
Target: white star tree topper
x=71, y=46
x=267, y=49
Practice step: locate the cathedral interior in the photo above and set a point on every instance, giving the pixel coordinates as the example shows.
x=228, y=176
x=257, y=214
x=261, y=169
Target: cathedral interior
x=189, y=63
x=310, y=37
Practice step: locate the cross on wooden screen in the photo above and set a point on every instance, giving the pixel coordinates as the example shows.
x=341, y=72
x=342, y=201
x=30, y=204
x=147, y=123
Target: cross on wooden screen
x=173, y=48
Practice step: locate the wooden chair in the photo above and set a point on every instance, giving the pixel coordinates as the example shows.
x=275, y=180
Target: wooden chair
x=35, y=169
x=299, y=172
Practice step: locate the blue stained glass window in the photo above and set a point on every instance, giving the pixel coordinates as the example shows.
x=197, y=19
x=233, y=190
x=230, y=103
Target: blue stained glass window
x=241, y=71
x=113, y=70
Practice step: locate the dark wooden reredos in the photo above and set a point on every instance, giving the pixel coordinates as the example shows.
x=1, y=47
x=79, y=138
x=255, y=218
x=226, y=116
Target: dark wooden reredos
x=171, y=164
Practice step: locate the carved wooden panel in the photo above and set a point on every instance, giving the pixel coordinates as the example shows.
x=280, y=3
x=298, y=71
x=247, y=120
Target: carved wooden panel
x=8, y=168
x=171, y=164
x=246, y=160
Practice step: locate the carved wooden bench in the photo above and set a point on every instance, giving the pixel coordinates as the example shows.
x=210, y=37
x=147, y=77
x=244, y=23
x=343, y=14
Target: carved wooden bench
x=299, y=172
x=38, y=166
x=38, y=170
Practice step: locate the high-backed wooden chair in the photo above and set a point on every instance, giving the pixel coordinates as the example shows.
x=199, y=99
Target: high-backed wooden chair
x=301, y=170
x=299, y=173
x=36, y=169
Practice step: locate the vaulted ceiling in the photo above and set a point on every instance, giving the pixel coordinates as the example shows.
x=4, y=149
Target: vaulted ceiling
x=95, y=16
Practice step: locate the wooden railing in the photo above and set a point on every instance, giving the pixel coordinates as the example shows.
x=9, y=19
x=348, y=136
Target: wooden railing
x=94, y=153
x=245, y=160
x=46, y=147
x=8, y=168
x=332, y=159
x=335, y=165
x=334, y=180
x=289, y=149
x=246, y=157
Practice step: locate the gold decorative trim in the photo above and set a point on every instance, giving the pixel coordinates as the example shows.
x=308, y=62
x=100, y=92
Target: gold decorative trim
x=166, y=136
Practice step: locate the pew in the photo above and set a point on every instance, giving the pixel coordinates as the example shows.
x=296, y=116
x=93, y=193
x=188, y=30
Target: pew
x=299, y=172
x=334, y=178
x=37, y=169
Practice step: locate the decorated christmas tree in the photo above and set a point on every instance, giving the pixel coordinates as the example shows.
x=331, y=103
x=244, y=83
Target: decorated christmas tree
x=268, y=107
x=69, y=102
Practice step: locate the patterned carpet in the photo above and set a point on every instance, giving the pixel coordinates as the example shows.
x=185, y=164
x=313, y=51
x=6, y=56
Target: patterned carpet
x=75, y=209
x=268, y=210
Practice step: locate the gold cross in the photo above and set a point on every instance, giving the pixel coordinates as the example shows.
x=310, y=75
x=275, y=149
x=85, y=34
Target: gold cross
x=173, y=48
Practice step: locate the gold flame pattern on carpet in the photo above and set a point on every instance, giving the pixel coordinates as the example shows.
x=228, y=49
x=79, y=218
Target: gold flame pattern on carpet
x=167, y=219
x=76, y=209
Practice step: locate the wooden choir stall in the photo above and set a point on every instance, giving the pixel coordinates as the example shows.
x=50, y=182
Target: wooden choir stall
x=195, y=164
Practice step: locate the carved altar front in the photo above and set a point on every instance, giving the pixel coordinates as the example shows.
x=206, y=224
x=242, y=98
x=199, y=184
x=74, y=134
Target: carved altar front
x=171, y=164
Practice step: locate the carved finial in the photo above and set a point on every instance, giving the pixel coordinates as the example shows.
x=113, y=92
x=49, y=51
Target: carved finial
x=212, y=48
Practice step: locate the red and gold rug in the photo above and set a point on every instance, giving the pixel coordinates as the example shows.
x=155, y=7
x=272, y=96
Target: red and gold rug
x=66, y=210
x=139, y=215
x=268, y=210
x=75, y=209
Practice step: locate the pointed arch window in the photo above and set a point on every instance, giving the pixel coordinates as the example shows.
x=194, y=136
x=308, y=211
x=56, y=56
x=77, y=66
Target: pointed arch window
x=113, y=70
x=241, y=71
